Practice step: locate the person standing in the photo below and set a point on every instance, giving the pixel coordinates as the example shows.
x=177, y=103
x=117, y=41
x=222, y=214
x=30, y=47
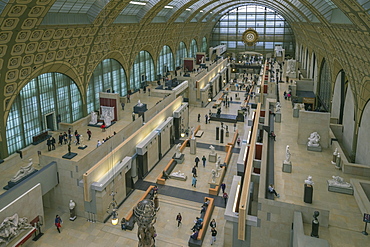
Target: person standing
x=77, y=138
x=204, y=160
x=225, y=196
x=194, y=171
x=223, y=187
x=48, y=143
x=128, y=98
x=273, y=191
x=198, y=117
x=53, y=143
x=196, y=161
x=194, y=181
x=123, y=105
x=60, y=142
x=65, y=138
x=89, y=134
x=238, y=141
x=58, y=222
x=206, y=116
x=214, y=234
x=179, y=219
x=212, y=224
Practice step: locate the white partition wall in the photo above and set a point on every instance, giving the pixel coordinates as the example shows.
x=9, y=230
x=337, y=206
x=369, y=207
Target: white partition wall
x=363, y=148
x=153, y=153
x=335, y=106
x=310, y=121
x=348, y=121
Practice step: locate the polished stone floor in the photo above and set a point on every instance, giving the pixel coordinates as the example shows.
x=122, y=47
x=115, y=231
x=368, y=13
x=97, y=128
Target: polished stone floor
x=345, y=223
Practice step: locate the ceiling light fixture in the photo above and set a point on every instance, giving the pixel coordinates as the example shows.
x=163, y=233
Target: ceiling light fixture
x=137, y=3
x=188, y=9
x=168, y=7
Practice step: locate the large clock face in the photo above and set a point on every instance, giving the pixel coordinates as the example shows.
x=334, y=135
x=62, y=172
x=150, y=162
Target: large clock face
x=250, y=37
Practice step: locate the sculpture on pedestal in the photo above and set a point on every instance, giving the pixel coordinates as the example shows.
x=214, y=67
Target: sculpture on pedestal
x=287, y=154
x=192, y=132
x=217, y=166
x=145, y=216
x=212, y=149
x=277, y=107
x=11, y=226
x=178, y=151
x=313, y=140
x=309, y=181
x=335, y=156
x=23, y=172
x=72, y=213
x=139, y=103
x=339, y=182
x=107, y=114
x=213, y=176
x=315, y=225
x=94, y=118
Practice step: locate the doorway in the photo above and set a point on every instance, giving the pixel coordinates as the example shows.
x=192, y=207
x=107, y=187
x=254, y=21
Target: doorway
x=50, y=121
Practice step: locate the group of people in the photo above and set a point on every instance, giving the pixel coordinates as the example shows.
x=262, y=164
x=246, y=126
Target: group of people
x=198, y=223
x=99, y=143
x=288, y=95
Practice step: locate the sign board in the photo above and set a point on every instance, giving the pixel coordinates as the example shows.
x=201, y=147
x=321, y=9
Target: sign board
x=366, y=218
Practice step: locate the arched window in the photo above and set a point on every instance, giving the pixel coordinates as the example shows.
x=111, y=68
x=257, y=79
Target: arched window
x=44, y=101
x=193, y=48
x=142, y=70
x=109, y=76
x=325, y=86
x=204, y=45
x=271, y=27
x=181, y=53
x=165, y=61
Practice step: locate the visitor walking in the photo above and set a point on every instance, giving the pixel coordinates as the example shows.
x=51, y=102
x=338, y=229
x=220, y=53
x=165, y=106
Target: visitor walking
x=204, y=159
x=194, y=181
x=179, y=219
x=273, y=191
x=196, y=161
x=198, y=117
x=194, y=171
x=223, y=187
x=212, y=224
x=225, y=196
x=214, y=234
x=58, y=222
x=89, y=134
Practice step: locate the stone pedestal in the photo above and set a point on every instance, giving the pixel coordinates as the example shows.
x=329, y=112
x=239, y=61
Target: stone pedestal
x=212, y=158
x=180, y=159
x=315, y=149
x=193, y=146
x=296, y=113
x=334, y=161
x=287, y=166
x=278, y=117
x=227, y=134
x=308, y=193
x=338, y=163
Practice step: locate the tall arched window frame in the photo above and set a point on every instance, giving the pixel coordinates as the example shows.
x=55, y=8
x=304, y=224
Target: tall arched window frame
x=271, y=27
x=204, y=45
x=165, y=61
x=193, y=48
x=50, y=93
x=325, y=86
x=142, y=70
x=108, y=75
x=181, y=53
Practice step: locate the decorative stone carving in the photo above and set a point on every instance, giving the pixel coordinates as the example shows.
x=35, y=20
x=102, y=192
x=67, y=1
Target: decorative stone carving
x=145, y=216
x=107, y=114
x=277, y=107
x=309, y=181
x=178, y=175
x=94, y=118
x=287, y=154
x=178, y=151
x=23, y=172
x=212, y=149
x=213, y=175
x=313, y=140
x=11, y=226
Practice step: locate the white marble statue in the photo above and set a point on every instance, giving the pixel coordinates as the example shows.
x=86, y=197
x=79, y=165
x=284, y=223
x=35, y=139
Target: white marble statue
x=212, y=149
x=94, y=118
x=139, y=103
x=313, y=140
x=335, y=152
x=107, y=115
x=309, y=181
x=178, y=151
x=23, y=172
x=287, y=154
x=178, y=174
x=11, y=226
x=217, y=166
x=277, y=107
x=72, y=213
x=339, y=182
x=213, y=175
x=192, y=132
x=290, y=66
